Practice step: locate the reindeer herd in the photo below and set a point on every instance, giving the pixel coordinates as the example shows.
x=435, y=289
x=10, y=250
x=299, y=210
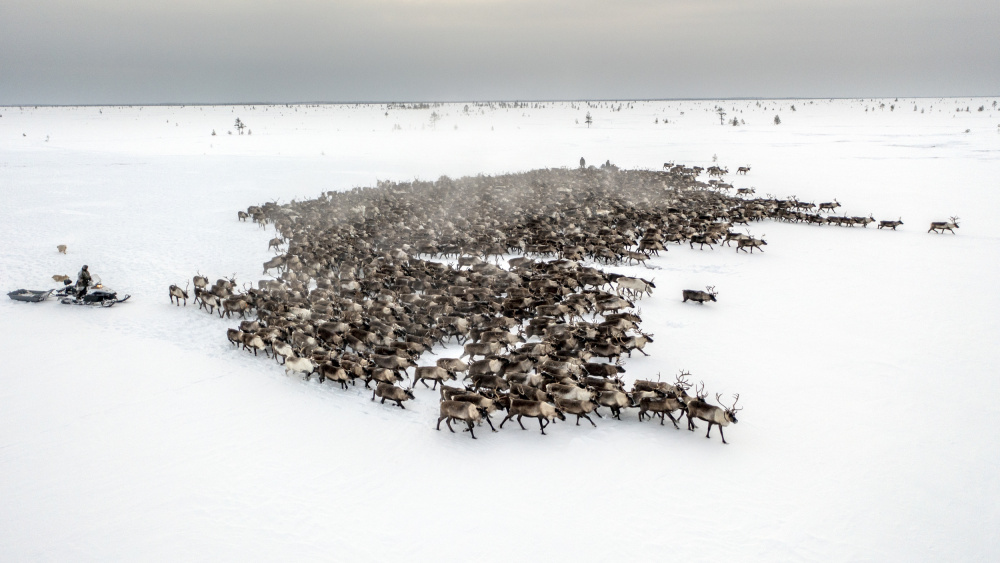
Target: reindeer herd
x=368, y=281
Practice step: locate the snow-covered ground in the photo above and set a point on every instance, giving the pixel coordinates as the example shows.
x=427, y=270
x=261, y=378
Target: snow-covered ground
x=865, y=359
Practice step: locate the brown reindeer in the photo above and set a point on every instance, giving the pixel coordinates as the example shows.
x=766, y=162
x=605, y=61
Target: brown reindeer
x=711, y=414
x=941, y=226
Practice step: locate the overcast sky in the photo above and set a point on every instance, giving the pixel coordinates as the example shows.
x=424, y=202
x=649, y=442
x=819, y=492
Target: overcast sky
x=204, y=51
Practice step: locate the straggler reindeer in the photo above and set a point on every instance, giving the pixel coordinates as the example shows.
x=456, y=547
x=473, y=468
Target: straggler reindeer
x=178, y=294
x=61, y=248
x=941, y=226
x=700, y=296
x=890, y=224
x=829, y=206
x=743, y=170
x=711, y=414
x=752, y=243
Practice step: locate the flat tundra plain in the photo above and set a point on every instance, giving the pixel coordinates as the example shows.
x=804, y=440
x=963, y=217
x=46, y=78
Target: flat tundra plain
x=864, y=358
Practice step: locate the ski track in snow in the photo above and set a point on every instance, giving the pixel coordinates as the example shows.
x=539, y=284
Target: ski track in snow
x=139, y=433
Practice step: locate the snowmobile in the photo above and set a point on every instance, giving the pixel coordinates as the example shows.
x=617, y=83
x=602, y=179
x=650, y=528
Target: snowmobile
x=96, y=295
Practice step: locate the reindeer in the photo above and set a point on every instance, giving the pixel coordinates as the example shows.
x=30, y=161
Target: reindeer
x=431, y=373
x=254, y=342
x=732, y=235
x=636, y=343
x=713, y=415
x=474, y=349
x=200, y=283
x=393, y=393
x=543, y=411
x=635, y=287
x=234, y=336
x=242, y=215
x=752, y=243
x=61, y=248
x=235, y=305
x=581, y=408
x=334, y=373
x=941, y=226
x=453, y=365
x=661, y=405
x=276, y=262
x=700, y=296
x=829, y=205
x=209, y=301
x=743, y=170
x=891, y=224
x=702, y=240
x=464, y=411
x=178, y=294
x=295, y=364
x=863, y=221
x=615, y=400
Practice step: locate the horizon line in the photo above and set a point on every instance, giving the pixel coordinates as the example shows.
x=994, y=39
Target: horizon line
x=498, y=101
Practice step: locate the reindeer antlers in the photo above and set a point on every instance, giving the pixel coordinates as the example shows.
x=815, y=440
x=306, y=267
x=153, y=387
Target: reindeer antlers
x=736, y=399
x=682, y=381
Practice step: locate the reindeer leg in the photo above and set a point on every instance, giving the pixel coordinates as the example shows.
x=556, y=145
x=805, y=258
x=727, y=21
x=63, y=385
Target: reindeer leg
x=541, y=424
x=505, y=420
x=672, y=419
x=490, y=422
x=641, y=350
x=373, y=394
x=588, y=418
x=723, y=435
x=471, y=433
x=709, y=433
x=597, y=413
x=522, y=425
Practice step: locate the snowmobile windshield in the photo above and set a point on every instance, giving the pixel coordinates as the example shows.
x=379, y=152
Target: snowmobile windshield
x=95, y=281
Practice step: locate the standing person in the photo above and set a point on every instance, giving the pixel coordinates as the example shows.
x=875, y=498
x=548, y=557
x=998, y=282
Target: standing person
x=83, y=281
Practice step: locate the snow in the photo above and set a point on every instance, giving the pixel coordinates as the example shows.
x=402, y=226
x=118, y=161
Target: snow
x=864, y=358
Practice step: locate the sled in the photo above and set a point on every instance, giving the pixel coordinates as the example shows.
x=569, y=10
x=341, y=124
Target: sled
x=29, y=295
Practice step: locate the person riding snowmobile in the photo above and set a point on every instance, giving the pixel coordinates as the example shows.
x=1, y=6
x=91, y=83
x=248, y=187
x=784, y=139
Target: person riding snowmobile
x=83, y=281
